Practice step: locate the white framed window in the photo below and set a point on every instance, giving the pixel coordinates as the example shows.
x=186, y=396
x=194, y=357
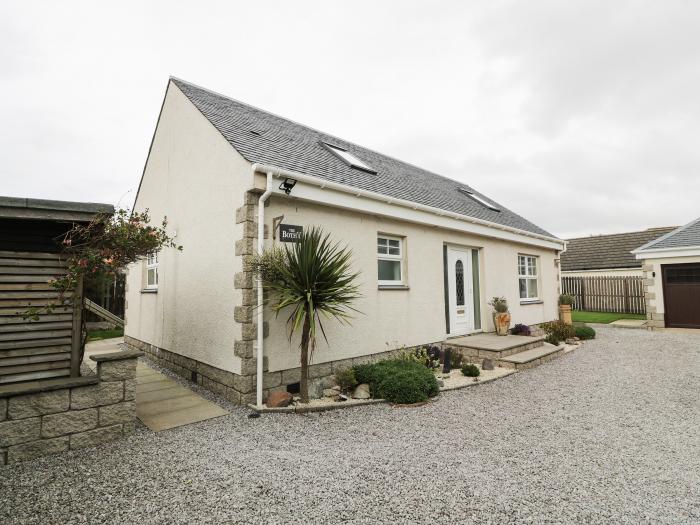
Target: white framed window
x=152, y=270
x=389, y=260
x=528, y=277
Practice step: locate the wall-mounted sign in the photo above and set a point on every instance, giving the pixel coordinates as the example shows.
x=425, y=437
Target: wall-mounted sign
x=291, y=233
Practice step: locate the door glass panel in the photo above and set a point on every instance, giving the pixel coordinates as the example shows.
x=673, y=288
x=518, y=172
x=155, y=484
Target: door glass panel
x=459, y=282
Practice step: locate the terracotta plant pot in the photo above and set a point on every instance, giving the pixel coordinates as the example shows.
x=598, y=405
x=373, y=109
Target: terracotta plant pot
x=502, y=322
x=565, y=313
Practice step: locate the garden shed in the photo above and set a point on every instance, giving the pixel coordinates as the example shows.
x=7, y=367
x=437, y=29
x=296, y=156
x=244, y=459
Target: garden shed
x=30, y=234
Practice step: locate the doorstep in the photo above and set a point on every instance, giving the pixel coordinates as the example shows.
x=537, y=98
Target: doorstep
x=533, y=357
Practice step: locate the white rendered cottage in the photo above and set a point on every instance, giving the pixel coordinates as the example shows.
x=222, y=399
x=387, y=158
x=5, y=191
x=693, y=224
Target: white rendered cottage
x=431, y=251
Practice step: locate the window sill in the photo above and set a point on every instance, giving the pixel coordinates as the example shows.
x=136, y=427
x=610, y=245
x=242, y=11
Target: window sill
x=393, y=287
x=531, y=301
x=149, y=290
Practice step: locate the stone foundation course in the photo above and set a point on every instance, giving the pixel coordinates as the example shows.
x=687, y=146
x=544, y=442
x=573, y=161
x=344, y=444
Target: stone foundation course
x=52, y=416
x=240, y=389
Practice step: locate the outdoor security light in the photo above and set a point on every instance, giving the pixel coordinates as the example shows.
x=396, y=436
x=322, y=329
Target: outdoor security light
x=287, y=185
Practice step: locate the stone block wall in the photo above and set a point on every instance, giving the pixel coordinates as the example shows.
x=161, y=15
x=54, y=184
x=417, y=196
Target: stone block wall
x=654, y=319
x=57, y=415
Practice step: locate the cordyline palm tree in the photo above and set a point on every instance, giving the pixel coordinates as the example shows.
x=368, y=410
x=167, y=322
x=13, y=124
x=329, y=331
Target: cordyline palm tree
x=312, y=278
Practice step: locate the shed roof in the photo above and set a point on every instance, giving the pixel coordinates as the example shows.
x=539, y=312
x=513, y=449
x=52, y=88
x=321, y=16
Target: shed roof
x=687, y=236
x=23, y=208
x=602, y=252
x=264, y=138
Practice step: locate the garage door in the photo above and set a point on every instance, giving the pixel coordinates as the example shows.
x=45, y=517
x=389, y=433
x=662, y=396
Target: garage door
x=682, y=295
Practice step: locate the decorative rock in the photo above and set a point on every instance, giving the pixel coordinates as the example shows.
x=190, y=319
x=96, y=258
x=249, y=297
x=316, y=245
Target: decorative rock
x=571, y=341
x=361, y=392
x=440, y=383
x=278, y=399
x=487, y=364
x=342, y=397
x=330, y=392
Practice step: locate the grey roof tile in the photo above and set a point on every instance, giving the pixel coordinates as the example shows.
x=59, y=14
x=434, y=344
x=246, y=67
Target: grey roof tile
x=601, y=252
x=683, y=237
x=288, y=145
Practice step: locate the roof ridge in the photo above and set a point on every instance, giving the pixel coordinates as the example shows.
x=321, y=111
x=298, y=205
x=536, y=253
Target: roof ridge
x=594, y=236
x=320, y=132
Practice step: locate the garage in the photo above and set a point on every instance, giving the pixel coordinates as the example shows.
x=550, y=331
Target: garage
x=671, y=267
x=681, y=283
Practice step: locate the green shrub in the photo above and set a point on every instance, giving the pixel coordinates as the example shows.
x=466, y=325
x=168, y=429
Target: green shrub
x=552, y=340
x=585, y=332
x=418, y=355
x=398, y=380
x=470, y=370
x=345, y=379
x=499, y=304
x=566, y=299
x=557, y=331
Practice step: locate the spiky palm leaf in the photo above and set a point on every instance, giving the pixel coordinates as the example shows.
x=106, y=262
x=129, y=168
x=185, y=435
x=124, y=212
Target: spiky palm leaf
x=314, y=279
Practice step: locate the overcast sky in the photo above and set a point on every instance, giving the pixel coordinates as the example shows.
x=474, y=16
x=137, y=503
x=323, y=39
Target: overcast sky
x=583, y=117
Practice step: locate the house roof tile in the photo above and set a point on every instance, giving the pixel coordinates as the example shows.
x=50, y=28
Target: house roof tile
x=687, y=236
x=600, y=252
x=264, y=138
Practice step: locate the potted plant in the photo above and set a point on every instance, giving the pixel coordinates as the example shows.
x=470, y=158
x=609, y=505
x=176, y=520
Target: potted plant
x=565, y=303
x=501, y=316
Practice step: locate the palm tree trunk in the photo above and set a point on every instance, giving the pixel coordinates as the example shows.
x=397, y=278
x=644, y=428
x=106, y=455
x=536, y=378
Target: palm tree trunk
x=304, y=383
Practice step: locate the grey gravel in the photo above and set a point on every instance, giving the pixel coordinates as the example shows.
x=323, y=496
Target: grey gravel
x=609, y=433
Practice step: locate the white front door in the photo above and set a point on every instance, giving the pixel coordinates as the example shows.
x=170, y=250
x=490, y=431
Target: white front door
x=460, y=290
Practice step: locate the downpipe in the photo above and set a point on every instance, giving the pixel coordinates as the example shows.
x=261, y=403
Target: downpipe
x=261, y=246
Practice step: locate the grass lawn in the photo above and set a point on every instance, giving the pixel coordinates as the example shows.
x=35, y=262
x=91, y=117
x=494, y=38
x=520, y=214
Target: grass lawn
x=601, y=317
x=96, y=335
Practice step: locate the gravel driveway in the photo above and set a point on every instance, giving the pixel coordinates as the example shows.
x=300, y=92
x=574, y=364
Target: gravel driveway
x=607, y=434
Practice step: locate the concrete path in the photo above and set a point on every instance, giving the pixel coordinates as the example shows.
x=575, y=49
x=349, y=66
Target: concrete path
x=161, y=403
x=629, y=323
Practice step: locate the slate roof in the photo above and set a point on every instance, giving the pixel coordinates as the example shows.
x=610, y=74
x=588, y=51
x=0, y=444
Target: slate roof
x=264, y=138
x=600, y=252
x=687, y=236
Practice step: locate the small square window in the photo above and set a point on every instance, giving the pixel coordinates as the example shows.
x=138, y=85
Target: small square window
x=152, y=270
x=527, y=277
x=389, y=261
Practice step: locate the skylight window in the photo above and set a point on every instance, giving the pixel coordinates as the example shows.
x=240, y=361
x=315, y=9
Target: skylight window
x=349, y=158
x=479, y=199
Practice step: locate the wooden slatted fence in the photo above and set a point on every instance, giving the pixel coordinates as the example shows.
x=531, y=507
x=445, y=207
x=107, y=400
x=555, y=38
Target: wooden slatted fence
x=606, y=294
x=48, y=347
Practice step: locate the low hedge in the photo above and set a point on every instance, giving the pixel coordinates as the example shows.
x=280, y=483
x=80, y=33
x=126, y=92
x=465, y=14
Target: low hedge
x=398, y=381
x=585, y=332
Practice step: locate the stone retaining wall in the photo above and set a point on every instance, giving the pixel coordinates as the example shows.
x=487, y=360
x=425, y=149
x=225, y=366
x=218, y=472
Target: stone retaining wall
x=47, y=417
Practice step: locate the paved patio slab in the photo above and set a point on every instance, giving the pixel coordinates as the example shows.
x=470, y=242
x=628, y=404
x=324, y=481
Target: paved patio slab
x=161, y=403
x=629, y=323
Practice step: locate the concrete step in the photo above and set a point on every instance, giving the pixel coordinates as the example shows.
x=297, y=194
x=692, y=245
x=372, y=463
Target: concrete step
x=492, y=346
x=532, y=357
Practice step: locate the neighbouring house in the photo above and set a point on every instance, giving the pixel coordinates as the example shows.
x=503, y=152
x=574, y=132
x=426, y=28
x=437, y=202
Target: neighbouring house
x=671, y=266
x=607, y=255
x=48, y=404
x=431, y=251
